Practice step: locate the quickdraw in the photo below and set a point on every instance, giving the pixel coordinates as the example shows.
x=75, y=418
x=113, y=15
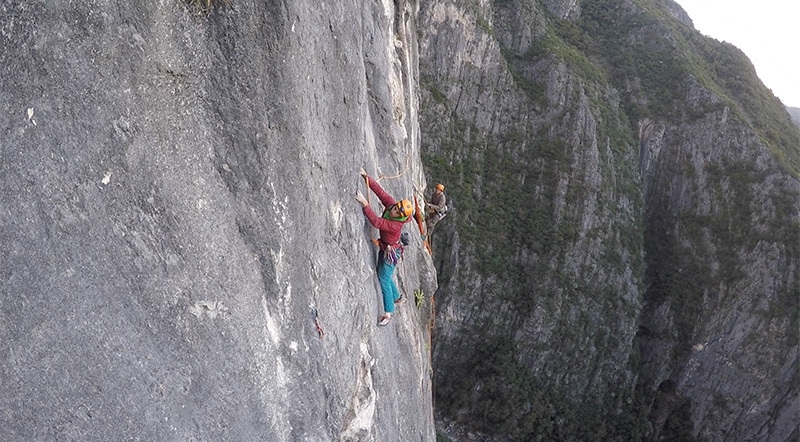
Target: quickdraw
x=393, y=254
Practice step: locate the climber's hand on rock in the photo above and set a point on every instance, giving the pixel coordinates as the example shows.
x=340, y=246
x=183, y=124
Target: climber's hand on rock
x=360, y=198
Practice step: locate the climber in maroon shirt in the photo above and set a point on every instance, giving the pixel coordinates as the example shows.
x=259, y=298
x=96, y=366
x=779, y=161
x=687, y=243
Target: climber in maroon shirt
x=390, y=224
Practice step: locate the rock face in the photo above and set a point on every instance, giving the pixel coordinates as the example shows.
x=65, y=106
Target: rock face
x=620, y=260
x=177, y=216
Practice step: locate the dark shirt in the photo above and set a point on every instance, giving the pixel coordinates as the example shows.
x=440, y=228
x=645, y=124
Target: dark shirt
x=437, y=201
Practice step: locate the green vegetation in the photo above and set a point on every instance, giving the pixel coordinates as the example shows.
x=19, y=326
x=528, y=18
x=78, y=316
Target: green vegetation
x=650, y=50
x=655, y=57
x=734, y=73
x=504, y=398
x=511, y=181
x=441, y=437
x=419, y=298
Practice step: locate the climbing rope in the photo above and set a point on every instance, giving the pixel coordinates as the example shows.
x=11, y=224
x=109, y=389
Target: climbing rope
x=419, y=217
x=408, y=164
x=381, y=176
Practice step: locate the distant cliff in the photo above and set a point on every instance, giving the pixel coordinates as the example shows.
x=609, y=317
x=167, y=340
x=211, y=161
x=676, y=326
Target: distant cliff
x=795, y=113
x=620, y=260
x=177, y=218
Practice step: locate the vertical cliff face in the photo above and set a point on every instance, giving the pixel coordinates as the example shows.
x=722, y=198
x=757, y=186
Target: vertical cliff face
x=540, y=261
x=719, y=161
x=719, y=328
x=177, y=217
x=612, y=173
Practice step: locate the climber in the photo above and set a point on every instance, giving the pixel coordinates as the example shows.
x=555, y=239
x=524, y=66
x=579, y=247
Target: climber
x=390, y=225
x=437, y=207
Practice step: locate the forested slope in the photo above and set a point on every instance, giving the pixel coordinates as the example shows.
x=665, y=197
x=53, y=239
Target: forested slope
x=620, y=260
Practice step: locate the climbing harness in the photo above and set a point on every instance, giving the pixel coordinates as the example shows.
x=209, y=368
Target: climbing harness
x=393, y=253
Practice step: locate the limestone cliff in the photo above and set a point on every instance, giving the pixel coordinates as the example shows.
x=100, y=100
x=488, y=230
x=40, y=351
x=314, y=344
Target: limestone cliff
x=177, y=216
x=620, y=260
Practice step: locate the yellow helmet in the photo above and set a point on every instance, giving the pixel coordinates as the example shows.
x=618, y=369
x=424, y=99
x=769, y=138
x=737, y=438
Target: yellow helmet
x=440, y=187
x=405, y=207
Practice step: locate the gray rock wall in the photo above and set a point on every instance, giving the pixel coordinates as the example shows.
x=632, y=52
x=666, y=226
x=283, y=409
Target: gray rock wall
x=176, y=208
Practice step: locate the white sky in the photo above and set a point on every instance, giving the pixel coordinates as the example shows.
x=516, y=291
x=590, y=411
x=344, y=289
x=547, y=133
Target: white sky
x=767, y=31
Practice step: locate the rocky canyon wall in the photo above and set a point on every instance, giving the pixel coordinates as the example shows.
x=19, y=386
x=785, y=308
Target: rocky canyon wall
x=620, y=260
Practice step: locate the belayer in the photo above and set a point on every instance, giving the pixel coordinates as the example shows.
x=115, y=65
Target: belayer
x=437, y=207
x=390, y=224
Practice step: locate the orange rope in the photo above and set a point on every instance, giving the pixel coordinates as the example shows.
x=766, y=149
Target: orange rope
x=420, y=218
x=408, y=164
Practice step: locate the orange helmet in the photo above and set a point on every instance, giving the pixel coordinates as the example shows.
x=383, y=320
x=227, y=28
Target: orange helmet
x=405, y=207
x=440, y=187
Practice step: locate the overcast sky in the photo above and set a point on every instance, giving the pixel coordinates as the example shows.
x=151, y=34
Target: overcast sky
x=768, y=31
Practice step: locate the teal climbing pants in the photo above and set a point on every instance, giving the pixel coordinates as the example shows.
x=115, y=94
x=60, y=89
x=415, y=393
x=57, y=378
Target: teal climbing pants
x=388, y=287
